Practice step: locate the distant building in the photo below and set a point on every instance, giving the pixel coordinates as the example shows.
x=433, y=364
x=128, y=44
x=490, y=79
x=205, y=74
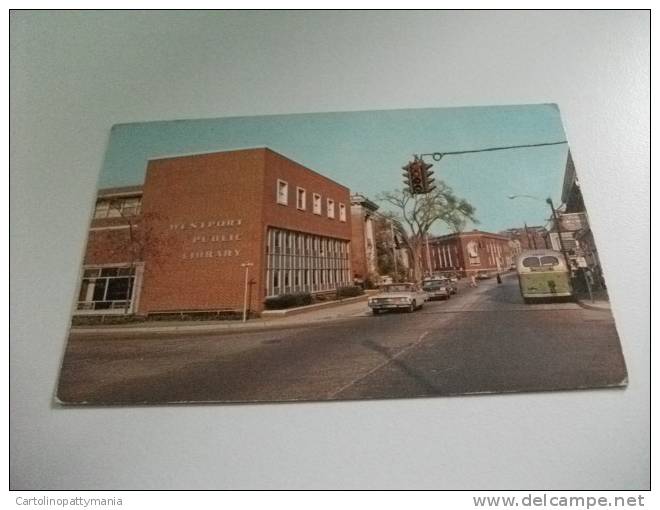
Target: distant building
x=528, y=238
x=576, y=235
x=468, y=252
x=364, y=258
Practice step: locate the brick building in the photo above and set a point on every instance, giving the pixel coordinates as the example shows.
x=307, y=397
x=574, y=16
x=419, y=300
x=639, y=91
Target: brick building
x=468, y=252
x=181, y=241
x=529, y=237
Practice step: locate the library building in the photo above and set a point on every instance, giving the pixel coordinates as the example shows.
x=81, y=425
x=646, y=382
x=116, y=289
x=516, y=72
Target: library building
x=204, y=228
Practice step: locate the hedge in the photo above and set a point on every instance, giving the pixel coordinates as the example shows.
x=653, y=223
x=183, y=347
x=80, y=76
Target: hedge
x=288, y=301
x=344, y=292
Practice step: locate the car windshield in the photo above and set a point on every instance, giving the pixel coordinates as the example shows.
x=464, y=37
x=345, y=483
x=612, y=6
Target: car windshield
x=397, y=288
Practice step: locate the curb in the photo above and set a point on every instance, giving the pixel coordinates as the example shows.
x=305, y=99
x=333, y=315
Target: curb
x=589, y=306
x=310, y=308
x=216, y=329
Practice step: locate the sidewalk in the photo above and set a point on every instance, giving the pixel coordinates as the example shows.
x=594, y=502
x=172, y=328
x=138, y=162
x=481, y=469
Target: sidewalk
x=601, y=300
x=337, y=312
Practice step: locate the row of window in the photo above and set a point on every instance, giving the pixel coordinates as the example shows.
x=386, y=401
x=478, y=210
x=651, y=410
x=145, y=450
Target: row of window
x=117, y=207
x=298, y=262
x=107, y=288
x=301, y=201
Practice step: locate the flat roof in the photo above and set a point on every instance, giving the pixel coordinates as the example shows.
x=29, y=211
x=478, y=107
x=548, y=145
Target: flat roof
x=466, y=234
x=119, y=191
x=247, y=149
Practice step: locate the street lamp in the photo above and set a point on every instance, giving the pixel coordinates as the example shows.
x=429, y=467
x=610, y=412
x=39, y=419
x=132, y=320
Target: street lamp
x=530, y=241
x=554, y=217
x=247, y=266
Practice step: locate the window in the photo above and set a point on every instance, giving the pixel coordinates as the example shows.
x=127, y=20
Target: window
x=317, y=203
x=531, y=262
x=549, y=260
x=117, y=207
x=301, y=199
x=331, y=208
x=107, y=288
x=282, y=192
x=314, y=264
x=342, y=212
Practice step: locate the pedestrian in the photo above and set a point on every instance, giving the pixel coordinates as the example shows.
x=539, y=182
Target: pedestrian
x=473, y=280
x=499, y=278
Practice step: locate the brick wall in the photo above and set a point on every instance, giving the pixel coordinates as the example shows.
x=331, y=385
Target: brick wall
x=204, y=215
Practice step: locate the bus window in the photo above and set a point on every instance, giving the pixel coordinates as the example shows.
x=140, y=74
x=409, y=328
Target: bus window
x=549, y=261
x=531, y=262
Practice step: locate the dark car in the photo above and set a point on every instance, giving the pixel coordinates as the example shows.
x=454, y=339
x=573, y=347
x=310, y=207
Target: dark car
x=437, y=289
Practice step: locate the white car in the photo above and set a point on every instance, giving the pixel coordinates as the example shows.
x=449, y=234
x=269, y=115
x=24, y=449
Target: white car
x=398, y=296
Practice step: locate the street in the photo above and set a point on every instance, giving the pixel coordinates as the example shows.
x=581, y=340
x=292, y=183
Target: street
x=483, y=340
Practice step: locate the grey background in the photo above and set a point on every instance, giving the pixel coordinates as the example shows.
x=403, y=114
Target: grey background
x=73, y=75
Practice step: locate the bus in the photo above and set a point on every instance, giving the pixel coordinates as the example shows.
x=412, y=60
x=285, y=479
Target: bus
x=543, y=274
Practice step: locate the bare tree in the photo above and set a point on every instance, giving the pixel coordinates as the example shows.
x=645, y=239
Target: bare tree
x=139, y=239
x=414, y=215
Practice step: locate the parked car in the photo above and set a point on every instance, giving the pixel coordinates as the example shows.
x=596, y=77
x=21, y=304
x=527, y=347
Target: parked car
x=437, y=288
x=398, y=296
x=483, y=275
x=452, y=285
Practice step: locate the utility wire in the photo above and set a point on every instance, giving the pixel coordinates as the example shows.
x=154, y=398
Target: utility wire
x=490, y=149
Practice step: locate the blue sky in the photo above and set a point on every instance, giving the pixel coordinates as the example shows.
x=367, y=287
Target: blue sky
x=366, y=150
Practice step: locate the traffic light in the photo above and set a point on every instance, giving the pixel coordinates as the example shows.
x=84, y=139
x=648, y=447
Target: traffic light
x=417, y=177
x=427, y=180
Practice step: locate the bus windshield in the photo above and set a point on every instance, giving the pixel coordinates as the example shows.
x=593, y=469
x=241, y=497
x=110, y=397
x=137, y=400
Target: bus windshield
x=549, y=260
x=531, y=262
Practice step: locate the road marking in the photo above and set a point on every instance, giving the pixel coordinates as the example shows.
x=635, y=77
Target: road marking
x=378, y=367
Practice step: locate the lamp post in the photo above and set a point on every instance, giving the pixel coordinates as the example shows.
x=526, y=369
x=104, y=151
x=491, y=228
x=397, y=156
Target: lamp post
x=247, y=266
x=558, y=223
x=555, y=219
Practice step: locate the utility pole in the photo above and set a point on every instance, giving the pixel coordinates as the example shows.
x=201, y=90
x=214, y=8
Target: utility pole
x=558, y=224
x=428, y=255
x=396, y=265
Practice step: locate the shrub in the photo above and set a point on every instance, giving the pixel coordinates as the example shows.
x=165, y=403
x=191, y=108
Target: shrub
x=352, y=291
x=288, y=301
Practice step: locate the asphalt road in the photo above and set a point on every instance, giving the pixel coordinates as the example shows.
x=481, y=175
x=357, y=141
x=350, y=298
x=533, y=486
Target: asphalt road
x=483, y=340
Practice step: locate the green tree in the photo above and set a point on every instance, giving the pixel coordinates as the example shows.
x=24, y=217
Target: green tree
x=414, y=216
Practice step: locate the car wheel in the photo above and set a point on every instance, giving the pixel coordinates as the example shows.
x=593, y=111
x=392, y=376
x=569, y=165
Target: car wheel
x=375, y=312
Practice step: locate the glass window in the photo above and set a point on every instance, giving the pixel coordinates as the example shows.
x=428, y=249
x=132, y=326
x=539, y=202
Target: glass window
x=317, y=203
x=101, y=210
x=117, y=207
x=282, y=192
x=549, y=260
x=301, y=199
x=106, y=288
x=531, y=262
x=118, y=289
x=342, y=212
x=331, y=208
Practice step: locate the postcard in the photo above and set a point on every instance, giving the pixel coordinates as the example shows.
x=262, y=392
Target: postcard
x=339, y=256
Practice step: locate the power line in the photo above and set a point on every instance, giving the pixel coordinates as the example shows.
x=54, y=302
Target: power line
x=437, y=156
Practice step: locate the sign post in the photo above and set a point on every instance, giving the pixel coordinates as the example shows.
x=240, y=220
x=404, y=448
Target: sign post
x=247, y=266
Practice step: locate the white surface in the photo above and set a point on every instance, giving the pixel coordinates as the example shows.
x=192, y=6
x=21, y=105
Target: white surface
x=76, y=74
